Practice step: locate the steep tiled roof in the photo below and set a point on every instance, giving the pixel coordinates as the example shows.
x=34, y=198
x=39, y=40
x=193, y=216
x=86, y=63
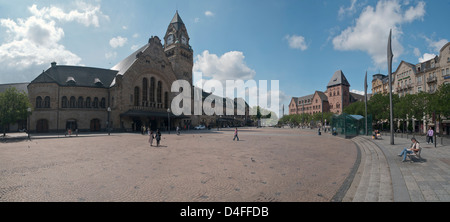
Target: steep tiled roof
x=77, y=76
x=338, y=78
x=126, y=63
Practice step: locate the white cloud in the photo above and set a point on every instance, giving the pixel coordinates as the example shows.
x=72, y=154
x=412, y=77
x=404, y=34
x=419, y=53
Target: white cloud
x=296, y=42
x=357, y=91
x=414, y=13
x=35, y=40
x=196, y=20
x=84, y=13
x=118, y=41
x=436, y=46
x=232, y=66
x=426, y=57
x=347, y=11
x=371, y=30
x=209, y=14
x=229, y=66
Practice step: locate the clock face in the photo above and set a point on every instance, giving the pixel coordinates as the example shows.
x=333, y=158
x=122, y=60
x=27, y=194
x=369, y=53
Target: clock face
x=183, y=40
x=170, y=39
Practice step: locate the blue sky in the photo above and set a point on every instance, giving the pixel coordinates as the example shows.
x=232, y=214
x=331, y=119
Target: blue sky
x=301, y=43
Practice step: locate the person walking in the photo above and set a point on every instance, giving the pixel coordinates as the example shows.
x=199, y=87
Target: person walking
x=158, y=137
x=236, y=134
x=151, y=136
x=430, y=134
x=178, y=130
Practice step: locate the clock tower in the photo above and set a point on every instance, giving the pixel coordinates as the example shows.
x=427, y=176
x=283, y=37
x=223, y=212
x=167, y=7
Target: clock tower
x=178, y=50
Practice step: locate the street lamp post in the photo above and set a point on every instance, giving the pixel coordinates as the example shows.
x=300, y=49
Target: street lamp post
x=107, y=125
x=168, y=120
x=28, y=123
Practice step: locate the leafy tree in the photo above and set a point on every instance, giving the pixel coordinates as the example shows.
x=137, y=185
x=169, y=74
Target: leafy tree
x=356, y=108
x=378, y=106
x=439, y=103
x=13, y=107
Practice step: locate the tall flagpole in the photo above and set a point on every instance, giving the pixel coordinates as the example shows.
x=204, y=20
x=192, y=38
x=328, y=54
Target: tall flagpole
x=365, y=100
x=391, y=108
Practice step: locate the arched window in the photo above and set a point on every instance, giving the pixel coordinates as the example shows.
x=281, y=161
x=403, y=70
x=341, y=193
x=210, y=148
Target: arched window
x=136, y=96
x=95, y=104
x=166, y=100
x=80, y=102
x=103, y=103
x=152, y=89
x=72, y=102
x=144, y=91
x=88, y=102
x=38, y=102
x=47, y=102
x=64, y=102
x=159, y=92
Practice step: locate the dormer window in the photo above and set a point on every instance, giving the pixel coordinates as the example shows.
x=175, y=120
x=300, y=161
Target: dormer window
x=71, y=81
x=98, y=82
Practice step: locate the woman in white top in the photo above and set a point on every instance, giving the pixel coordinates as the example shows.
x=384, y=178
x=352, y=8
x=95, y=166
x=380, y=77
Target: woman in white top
x=414, y=148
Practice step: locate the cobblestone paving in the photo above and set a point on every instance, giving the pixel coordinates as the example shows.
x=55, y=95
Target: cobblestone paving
x=265, y=165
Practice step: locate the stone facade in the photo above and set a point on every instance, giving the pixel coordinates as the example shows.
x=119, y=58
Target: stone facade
x=334, y=99
x=411, y=78
x=134, y=93
x=426, y=76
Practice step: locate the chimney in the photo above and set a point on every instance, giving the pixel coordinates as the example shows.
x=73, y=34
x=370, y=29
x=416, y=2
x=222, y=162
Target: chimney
x=53, y=64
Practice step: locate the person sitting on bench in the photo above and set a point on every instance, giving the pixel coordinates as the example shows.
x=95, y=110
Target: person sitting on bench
x=414, y=148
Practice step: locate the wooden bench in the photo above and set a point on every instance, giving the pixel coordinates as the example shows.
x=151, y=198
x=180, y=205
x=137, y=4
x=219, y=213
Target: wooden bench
x=415, y=154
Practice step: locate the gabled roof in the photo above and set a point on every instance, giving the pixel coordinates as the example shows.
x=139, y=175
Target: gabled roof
x=126, y=63
x=322, y=96
x=295, y=99
x=356, y=97
x=412, y=66
x=338, y=78
x=77, y=76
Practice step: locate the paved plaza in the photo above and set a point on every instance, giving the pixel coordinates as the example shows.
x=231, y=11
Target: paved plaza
x=265, y=165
